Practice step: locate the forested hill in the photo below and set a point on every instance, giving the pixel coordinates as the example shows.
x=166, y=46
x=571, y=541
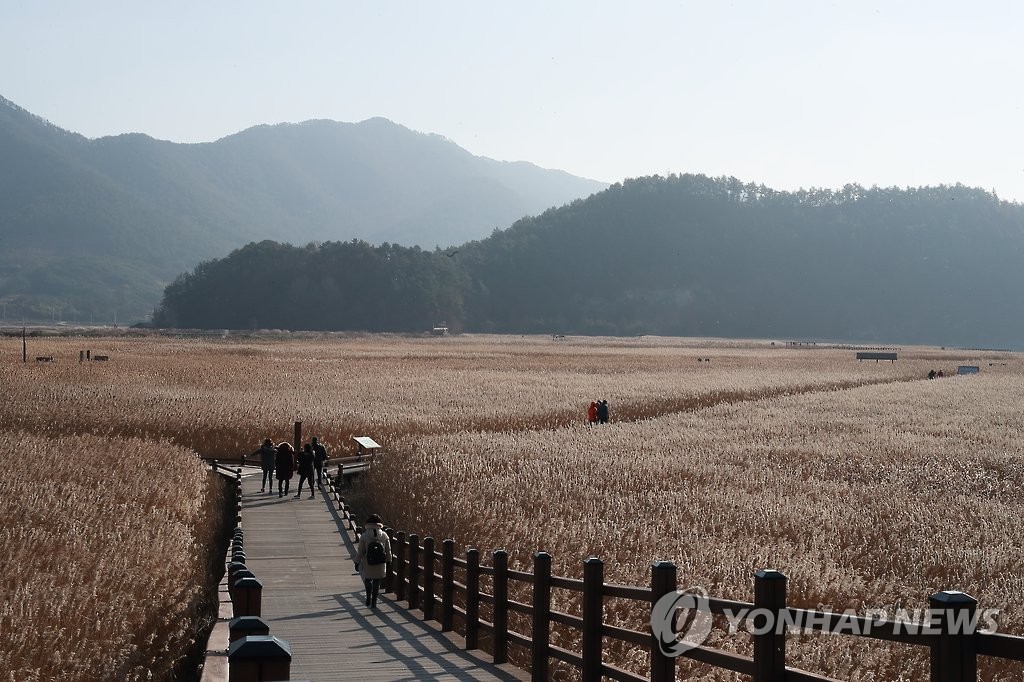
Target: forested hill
x=89, y=228
x=683, y=255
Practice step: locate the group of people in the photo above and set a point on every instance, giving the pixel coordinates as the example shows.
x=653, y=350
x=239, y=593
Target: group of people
x=932, y=374
x=597, y=412
x=283, y=462
x=373, y=553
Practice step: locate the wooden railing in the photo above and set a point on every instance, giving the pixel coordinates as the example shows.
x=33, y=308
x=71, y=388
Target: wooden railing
x=222, y=461
x=219, y=467
x=445, y=588
x=349, y=466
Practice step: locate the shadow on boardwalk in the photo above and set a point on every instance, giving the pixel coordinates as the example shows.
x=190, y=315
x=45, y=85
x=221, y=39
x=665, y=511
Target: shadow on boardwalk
x=313, y=598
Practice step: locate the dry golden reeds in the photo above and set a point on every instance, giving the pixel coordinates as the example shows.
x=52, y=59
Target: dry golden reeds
x=867, y=485
x=104, y=570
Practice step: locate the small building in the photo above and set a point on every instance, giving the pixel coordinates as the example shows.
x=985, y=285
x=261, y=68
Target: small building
x=968, y=369
x=439, y=331
x=870, y=355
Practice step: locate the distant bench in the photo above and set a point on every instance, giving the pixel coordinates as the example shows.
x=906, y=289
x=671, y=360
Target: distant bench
x=872, y=355
x=101, y=358
x=44, y=358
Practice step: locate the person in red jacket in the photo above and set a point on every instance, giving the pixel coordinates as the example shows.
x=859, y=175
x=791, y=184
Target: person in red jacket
x=592, y=413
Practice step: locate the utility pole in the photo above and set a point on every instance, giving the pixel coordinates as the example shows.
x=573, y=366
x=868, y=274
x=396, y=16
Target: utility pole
x=24, y=346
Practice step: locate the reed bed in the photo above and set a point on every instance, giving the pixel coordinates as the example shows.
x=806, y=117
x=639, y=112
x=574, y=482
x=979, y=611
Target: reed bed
x=105, y=565
x=218, y=396
x=873, y=497
x=867, y=485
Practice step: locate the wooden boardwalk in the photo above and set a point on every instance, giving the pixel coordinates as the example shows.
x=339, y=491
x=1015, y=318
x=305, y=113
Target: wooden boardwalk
x=313, y=598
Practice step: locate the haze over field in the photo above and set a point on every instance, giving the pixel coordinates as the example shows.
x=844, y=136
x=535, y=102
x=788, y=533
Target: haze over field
x=790, y=94
x=468, y=117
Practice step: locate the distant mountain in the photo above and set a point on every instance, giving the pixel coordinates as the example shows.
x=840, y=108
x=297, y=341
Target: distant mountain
x=94, y=228
x=683, y=255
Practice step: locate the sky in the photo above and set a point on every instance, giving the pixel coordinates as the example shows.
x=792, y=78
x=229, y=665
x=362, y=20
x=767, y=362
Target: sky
x=790, y=94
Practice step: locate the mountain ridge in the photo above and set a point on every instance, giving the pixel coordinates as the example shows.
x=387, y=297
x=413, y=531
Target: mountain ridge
x=131, y=203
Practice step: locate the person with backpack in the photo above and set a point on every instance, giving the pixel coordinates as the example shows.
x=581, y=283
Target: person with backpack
x=372, y=557
x=305, y=465
x=319, y=459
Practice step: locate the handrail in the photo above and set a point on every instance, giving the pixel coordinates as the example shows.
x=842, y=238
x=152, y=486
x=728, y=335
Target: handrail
x=349, y=459
x=414, y=577
x=220, y=468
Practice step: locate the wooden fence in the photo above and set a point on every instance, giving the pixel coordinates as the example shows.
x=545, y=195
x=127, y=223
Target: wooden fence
x=445, y=588
x=344, y=466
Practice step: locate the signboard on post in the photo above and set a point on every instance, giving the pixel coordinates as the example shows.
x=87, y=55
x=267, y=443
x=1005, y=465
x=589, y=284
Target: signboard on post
x=365, y=445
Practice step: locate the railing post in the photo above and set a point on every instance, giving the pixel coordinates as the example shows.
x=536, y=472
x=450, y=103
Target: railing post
x=447, y=585
x=245, y=626
x=399, y=552
x=298, y=436
x=593, y=616
x=428, y=578
x=663, y=581
x=769, y=633
x=233, y=568
x=389, y=574
x=953, y=655
x=472, y=598
x=259, y=657
x=500, y=562
x=248, y=596
x=414, y=571
x=541, y=635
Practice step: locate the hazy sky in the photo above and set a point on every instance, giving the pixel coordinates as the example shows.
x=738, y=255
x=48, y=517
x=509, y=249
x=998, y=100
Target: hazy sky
x=791, y=94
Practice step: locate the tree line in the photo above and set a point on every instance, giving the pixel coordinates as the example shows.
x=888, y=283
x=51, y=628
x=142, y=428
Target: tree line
x=677, y=255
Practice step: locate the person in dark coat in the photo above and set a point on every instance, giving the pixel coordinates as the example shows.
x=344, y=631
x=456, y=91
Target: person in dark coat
x=305, y=462
x=319, y=459
x=602, y=412
x=268, y=458
x=285, y=467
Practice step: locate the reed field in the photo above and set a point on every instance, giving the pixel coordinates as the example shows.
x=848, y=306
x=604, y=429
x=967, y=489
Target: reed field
x=105, y=561
x=869, y=486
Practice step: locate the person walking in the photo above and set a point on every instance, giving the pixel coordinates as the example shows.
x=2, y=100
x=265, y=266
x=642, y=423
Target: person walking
x=602, y=412
x=592, y=413
x=305, y=462
x=285, y=462
x=268, y=457
x=319, y=459
x=372, y=557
